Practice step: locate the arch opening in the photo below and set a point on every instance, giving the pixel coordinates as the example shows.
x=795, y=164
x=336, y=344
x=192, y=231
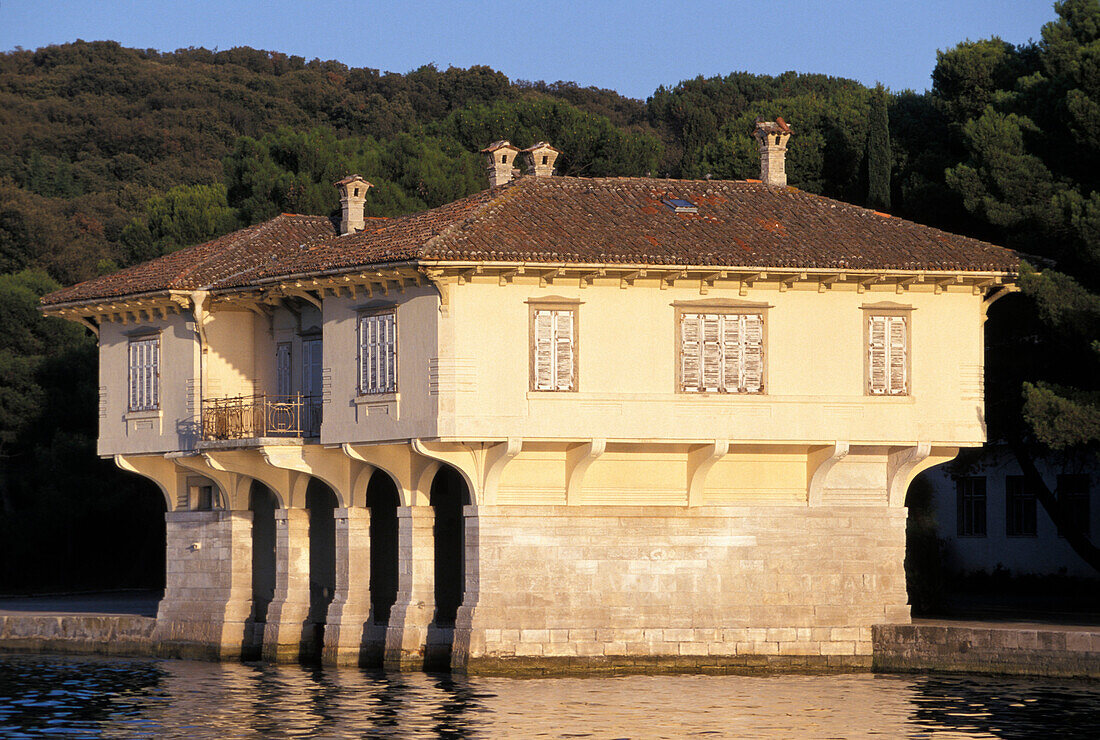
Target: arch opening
x=321, y=503
x=383, y=500
x=449, y=493
x=262, y=502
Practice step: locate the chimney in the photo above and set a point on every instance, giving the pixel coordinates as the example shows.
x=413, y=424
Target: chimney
x=540, y=159
x=501, y=158
x=772, y=137
x=353, y=198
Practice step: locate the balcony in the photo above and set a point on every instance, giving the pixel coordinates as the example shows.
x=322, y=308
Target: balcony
x=253, y=417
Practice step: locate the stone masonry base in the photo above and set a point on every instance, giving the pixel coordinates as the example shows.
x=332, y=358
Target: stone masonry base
x=665, y=586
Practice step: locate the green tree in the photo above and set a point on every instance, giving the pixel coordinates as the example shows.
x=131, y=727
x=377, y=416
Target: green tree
x=1026, y=120
x=186, y=214
x=880, y=160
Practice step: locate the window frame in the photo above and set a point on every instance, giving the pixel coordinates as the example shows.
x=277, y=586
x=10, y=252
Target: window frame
x=961, y=510
x=1070, y=498
x=1020, y=500
x=720, y=307
x=143, y=338
x=362, y=383
x=887, y=309
x=554, y=304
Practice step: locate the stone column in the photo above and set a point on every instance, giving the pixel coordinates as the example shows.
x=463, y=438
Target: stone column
x=348, y=623
x=407, y=633
x=208, y=584
x=469, y=634
x=287, y=631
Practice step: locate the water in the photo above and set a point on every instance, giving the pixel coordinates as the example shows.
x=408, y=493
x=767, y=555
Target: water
x=52, y=696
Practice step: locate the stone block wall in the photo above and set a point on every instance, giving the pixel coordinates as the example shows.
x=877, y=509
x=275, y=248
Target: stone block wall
x=552, y=587
x=208, y=584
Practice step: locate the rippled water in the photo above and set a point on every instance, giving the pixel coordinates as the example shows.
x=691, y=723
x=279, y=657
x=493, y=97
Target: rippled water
x=46, y=696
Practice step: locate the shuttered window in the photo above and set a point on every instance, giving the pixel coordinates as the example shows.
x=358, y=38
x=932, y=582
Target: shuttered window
x=722, y=352
x=888, y=362
x=145, y=374
x=378, y=353
x=554, y=350
x=282, y=369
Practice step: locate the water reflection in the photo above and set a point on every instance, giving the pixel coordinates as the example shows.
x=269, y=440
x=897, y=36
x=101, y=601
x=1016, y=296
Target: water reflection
x=44, y=696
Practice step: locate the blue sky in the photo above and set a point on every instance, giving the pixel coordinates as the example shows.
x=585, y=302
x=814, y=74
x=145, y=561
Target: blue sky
x=631, y=47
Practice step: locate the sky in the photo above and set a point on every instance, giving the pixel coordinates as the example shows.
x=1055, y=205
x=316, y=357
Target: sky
x=629, y=46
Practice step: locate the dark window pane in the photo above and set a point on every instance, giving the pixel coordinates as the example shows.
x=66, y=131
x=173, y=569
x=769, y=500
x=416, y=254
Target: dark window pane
x=1019, y=508
x=970, y=500
x=1073, y=495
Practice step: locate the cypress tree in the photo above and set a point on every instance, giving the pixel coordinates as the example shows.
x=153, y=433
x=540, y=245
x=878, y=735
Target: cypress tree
x=879, y=157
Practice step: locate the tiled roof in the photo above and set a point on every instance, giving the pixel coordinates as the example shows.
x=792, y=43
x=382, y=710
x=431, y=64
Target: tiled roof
x=575, y=220
x=214, y=262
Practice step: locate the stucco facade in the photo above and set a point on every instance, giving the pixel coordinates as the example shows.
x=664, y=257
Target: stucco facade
x=460, y=512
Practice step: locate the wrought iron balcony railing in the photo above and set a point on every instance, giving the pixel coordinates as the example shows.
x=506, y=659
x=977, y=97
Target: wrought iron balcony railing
x=248, y=417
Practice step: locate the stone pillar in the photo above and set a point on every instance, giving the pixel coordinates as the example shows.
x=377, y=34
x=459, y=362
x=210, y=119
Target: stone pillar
x=208, y=584
x=348, y=623
x=407, y=632
x=469, y=636
x=287, y=632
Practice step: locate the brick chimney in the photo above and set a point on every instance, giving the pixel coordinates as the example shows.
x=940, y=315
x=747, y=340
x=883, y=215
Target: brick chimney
x=772, y=137
x=540, y=159
x=353, y=198
x=501, y=158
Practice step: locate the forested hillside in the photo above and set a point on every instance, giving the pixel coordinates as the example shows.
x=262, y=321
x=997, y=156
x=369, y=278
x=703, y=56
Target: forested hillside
x=110, y=156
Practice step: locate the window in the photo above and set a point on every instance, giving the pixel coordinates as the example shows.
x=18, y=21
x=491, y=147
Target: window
x=887, y=355
x=722, y=352
x=282, y=370
x=145, y=374
x=970, y=497
x=1019, y=508
x=1073, y=495
x=378, y=352
x=554, y=349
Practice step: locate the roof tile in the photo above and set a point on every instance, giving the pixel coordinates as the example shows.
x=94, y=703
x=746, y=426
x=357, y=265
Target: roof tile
x=565, y=219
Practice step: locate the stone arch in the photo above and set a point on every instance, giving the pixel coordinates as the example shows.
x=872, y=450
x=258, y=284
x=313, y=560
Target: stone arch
x=448, y=494
x=382, y=498
x=163, y=473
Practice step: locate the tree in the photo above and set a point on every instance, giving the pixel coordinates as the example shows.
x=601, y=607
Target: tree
x=879, y=158
x=1027, y=120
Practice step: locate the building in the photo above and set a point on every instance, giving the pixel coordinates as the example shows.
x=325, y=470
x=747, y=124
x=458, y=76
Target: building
x=559, y=423
x=990, y=521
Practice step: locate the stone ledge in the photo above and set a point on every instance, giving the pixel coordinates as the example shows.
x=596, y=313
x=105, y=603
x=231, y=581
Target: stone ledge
x=988, y=648
x=662, y=664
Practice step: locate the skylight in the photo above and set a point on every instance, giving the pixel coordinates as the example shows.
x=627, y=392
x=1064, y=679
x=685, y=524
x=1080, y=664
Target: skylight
x=680, y=205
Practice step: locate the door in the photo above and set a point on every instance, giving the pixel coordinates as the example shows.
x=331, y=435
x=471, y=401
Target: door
x=311, y=386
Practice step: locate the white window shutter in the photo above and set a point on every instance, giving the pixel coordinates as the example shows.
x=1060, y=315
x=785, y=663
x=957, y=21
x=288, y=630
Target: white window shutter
x=282, y=370
x=876, y=348
x=364, y=352
x=135, y=373
x=712, y=352
x=390, y=322
x=544, y=350
x=898, y=363
x=752, y=352
x=154, y=373
x=690, y=352
x=563, y=350
x=732, y=337
x=373, y=368
x=144, y=374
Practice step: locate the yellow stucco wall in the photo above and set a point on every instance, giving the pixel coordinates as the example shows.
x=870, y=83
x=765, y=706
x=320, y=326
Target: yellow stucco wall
x=627, y=350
